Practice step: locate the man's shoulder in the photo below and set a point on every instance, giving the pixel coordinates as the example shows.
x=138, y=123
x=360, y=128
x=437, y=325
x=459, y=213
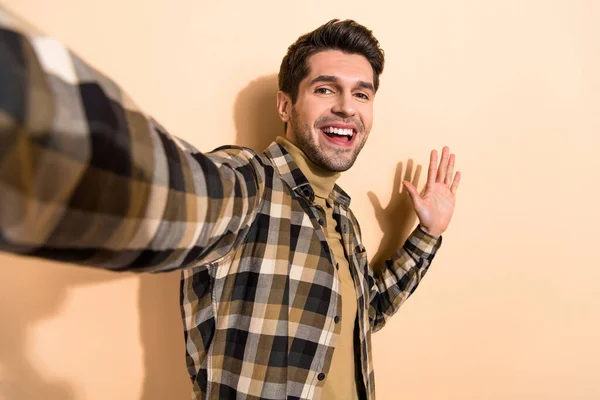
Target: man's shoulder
x=235, y=150
x=238, y=154
x=246, y=161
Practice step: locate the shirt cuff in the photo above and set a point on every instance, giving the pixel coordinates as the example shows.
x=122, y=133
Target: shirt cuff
x=423, y=243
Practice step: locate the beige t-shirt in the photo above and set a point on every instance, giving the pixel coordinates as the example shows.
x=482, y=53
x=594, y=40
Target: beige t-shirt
x=340, y=382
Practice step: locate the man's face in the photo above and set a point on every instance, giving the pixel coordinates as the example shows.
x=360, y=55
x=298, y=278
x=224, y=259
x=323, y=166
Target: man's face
x=333, y=114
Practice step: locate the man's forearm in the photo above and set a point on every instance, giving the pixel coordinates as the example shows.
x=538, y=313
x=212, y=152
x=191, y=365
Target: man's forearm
x=394, y=284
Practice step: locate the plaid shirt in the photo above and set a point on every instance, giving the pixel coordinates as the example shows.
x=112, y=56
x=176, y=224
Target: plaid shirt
x=85, y=177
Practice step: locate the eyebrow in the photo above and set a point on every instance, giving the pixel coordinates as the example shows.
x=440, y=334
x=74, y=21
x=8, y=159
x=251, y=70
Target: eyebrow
x=335, y=79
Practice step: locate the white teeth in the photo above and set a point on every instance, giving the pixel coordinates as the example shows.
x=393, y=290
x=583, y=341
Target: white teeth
x=339, y=131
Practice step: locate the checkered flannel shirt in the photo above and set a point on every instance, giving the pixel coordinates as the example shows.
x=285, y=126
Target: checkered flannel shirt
x=85, y=177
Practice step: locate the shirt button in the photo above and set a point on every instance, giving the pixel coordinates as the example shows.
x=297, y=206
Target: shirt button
x=336, y=319
x=321, y=376
x=321, y=222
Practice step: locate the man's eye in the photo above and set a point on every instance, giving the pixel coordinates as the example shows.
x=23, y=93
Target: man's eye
x=323, y=91
x=362, y=96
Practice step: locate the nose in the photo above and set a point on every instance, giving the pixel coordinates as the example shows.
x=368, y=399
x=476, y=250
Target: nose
x=344, y=106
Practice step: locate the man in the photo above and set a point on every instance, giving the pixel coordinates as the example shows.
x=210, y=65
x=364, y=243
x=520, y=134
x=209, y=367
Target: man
x=277, y=298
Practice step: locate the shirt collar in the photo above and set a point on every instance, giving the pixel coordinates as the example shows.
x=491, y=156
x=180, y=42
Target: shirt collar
x=321, y=180
x=291, y=174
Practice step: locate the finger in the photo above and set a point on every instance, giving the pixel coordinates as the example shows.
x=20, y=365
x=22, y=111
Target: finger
x=441, y=174
x=432, y=171
x=397, y=179
x=375, y=201
x=450, y=170
x=456, y=182
x=412, y=191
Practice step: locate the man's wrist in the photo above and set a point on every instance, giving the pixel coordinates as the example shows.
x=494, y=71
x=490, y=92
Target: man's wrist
x=430, y=232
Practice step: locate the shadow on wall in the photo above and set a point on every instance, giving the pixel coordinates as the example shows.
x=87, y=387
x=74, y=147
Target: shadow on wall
x=255, y=114
x=161, y=334
x=33, y=290
x=398, y=218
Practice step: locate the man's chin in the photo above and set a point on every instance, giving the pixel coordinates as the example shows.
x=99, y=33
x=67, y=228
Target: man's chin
x=337, y=159
x=335, y=162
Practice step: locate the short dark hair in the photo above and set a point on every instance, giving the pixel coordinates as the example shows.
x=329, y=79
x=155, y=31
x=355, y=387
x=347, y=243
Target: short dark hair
x=347, y=36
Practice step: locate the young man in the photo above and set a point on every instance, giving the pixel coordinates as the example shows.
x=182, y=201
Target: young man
x=278, y=300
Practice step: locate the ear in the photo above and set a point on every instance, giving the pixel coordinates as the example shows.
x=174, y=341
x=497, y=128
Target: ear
x=284, y=106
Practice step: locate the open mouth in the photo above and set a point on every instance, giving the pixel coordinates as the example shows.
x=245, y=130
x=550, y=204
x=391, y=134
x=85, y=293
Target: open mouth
x=339, y=136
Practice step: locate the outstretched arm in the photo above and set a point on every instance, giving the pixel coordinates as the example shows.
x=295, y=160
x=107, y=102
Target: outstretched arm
x=86, y=177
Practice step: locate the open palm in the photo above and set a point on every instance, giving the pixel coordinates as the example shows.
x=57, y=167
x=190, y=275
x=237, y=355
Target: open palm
x=435, y=204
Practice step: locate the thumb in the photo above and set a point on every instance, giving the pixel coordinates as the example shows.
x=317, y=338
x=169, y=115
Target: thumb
x=412, y=191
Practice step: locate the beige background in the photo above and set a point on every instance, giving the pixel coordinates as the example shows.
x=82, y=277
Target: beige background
x=510, y=307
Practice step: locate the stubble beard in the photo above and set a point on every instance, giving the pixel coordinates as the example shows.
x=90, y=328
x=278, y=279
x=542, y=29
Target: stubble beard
x=338, y=160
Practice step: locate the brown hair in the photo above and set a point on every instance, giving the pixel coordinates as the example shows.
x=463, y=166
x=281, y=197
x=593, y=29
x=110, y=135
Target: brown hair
x=347, y=36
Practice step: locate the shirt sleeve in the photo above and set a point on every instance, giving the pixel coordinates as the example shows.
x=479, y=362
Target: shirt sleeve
x=398, y=279
x=86, y=177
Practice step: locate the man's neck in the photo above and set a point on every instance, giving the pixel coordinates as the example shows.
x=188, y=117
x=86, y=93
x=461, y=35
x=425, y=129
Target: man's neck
x=321, y=179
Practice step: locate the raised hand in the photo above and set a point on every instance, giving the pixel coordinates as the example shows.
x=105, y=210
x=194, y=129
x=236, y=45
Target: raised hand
x=435, y=204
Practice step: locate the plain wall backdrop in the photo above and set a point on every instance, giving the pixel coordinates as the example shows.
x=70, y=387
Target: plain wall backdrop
x=510, y=307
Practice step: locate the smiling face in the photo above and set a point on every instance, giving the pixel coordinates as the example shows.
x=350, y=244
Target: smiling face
x=333, y=113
